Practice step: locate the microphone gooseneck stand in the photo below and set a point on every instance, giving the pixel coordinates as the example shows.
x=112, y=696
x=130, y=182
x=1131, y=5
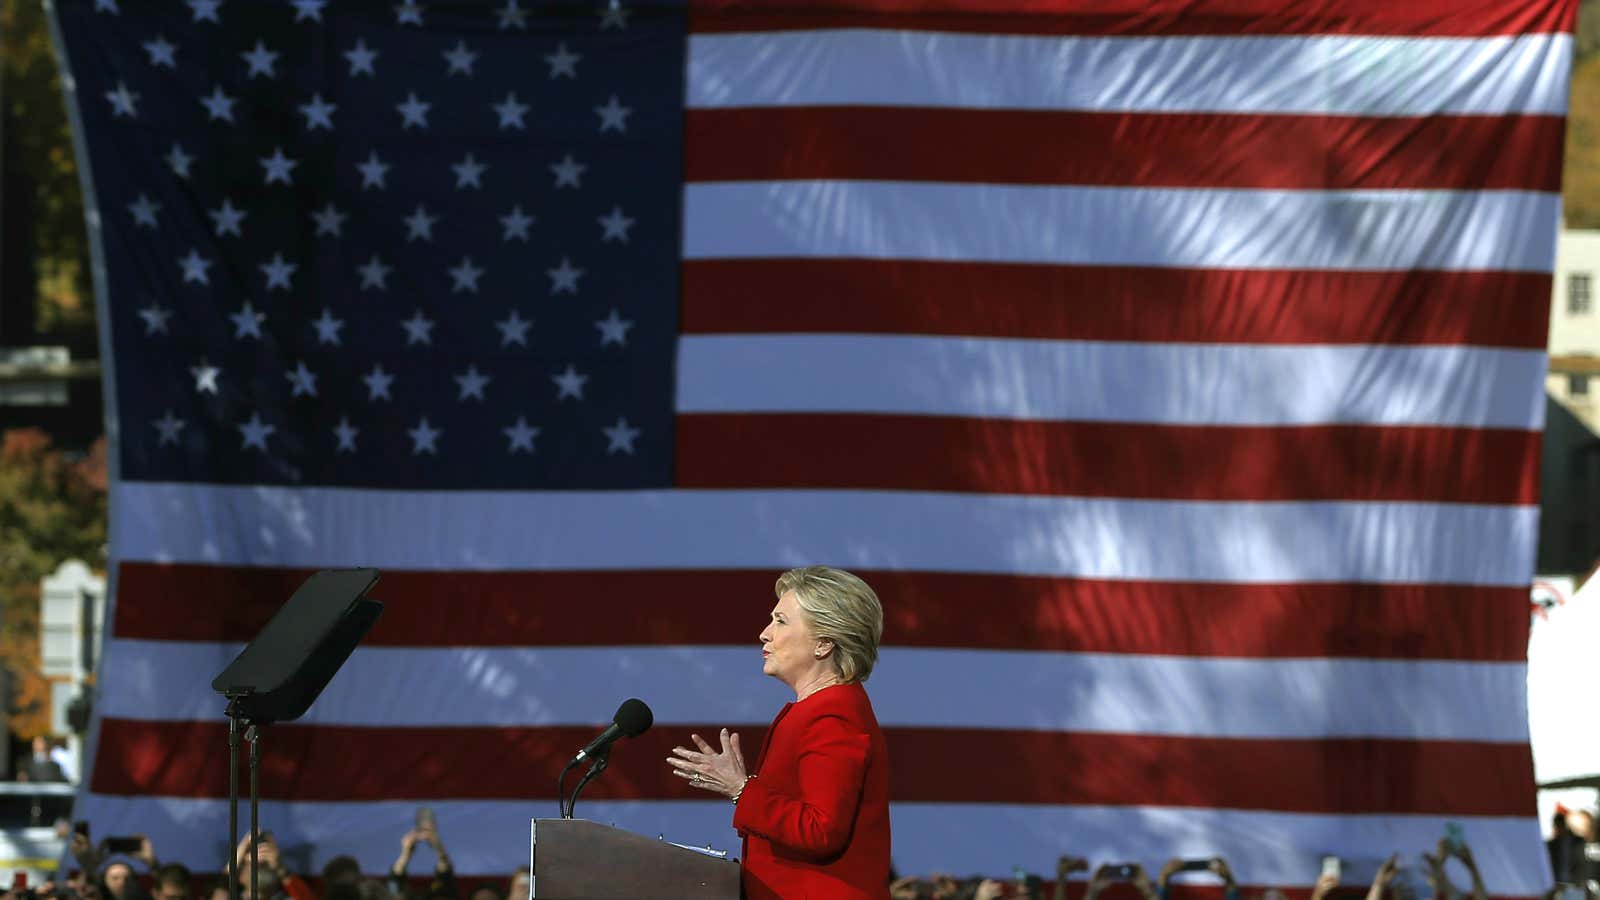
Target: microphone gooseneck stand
x=561, y=790
x=601, y=760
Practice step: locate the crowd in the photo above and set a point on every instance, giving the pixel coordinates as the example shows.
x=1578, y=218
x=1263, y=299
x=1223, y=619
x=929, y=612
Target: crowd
x=1390, y=882
x=128, y=869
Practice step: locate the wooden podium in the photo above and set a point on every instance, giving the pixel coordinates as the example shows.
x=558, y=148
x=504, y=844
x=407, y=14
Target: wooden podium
x=575, y=859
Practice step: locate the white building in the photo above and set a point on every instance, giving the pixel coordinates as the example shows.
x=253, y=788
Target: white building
x=1574, y=379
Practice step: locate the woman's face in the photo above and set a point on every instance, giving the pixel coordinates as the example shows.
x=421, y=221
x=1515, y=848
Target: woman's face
x=788, y=647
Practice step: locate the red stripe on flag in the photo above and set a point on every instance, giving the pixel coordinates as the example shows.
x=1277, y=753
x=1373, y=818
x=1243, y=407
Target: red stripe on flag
x=1094, y=303
x=1139, y=18
x=1137, y=149
x=338, y=763
x=1108, y=459
x=921, y=609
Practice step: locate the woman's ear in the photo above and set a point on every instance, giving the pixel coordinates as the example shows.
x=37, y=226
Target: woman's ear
x=824, y=647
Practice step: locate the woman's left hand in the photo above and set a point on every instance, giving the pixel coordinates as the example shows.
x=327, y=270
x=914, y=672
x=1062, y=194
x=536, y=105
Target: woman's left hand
x=709, y=770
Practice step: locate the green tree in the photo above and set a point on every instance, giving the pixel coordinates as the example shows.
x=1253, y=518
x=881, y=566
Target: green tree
x=43, y=208
x=52, y=508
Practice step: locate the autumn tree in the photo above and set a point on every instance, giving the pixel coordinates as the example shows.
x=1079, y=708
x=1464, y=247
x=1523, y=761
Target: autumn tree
x=52, y=508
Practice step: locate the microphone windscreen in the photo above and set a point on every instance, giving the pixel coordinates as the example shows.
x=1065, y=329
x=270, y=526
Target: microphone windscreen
x=634, y=717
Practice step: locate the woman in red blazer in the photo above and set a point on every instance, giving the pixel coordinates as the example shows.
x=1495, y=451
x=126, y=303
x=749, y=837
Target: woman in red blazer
x=814, y=813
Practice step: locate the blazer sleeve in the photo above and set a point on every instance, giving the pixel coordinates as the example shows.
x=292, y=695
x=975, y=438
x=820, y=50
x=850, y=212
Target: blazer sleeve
x=832, y=768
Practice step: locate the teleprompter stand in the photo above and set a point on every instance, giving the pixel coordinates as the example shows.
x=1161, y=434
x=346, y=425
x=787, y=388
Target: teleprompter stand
x=281, y=673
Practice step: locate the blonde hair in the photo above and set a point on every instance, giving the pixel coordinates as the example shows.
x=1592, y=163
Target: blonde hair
x=841, y=608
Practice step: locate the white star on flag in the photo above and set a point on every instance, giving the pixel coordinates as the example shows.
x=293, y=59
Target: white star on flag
x=460, y=59
x=408, y=13
x=375, y=274
x=413, y=112
x=515, y=224
x=567, y=172
x=512, y=16
x=278, y=271
x=226, y=218
x=144, y=211
x=205, y=378
x=254, y=433
x=373, y=171
x=569, y=383
x=378, y=382
x=563, y=62
x=328, y=328
x=162, y=53
x=615, y=225
x=318, y=113
x=123, y=101
x=179, y=161
x=308, y=9
x=194, y=268
x=419, y=329
x=419, y=225
x=511, y=112
x=465, y=277
x=564, y=278
x=614, y=329
x=423, y=438
x=620, y=437
x=520, y=435
x=329, y=220
x=514, y=330
x=278, y=167
x=346, y=435
x=468, y=171
x=302, y=381
x=155, y=319
x=361, y=59
x=260, y=60
x=471, y=382
x=247, y=322
x=613, y=116
x=612, y=15
x=218, y=105
x=205, y=10
x=169, y=426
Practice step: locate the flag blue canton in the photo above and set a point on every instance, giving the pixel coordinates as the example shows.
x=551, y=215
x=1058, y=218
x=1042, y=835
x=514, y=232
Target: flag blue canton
x=387, y=245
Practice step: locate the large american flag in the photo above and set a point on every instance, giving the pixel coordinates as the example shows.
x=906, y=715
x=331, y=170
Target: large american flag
x=1172, y=368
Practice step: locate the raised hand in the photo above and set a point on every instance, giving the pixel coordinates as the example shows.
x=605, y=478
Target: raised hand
x=722, y=772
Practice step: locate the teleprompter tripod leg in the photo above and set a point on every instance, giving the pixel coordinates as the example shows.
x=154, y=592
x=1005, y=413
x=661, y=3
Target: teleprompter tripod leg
x=233, y=800
x=253, y=735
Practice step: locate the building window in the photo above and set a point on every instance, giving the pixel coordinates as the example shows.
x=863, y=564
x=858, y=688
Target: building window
x=1580, y=293
x=1577, y=385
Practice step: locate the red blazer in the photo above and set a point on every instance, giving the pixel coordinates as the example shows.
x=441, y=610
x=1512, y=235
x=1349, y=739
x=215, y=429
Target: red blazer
x=816, y=822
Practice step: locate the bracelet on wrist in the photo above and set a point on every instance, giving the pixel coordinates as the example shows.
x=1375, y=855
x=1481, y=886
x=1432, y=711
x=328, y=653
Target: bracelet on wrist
x=740, y=792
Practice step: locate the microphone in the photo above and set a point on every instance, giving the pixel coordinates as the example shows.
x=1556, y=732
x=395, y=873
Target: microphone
x=633, y=718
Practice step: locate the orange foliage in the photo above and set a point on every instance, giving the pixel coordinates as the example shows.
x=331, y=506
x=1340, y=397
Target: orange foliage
x=52, y=508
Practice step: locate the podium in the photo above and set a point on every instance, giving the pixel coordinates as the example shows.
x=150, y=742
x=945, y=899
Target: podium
x=575, y=859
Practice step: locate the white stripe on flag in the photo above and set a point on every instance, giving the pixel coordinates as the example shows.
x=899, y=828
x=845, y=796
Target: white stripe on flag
x=934, y=688
x=1314, y=74
x=1272, y=849
x=1163, y=384
x=1256, y=542
x=1383, y=230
